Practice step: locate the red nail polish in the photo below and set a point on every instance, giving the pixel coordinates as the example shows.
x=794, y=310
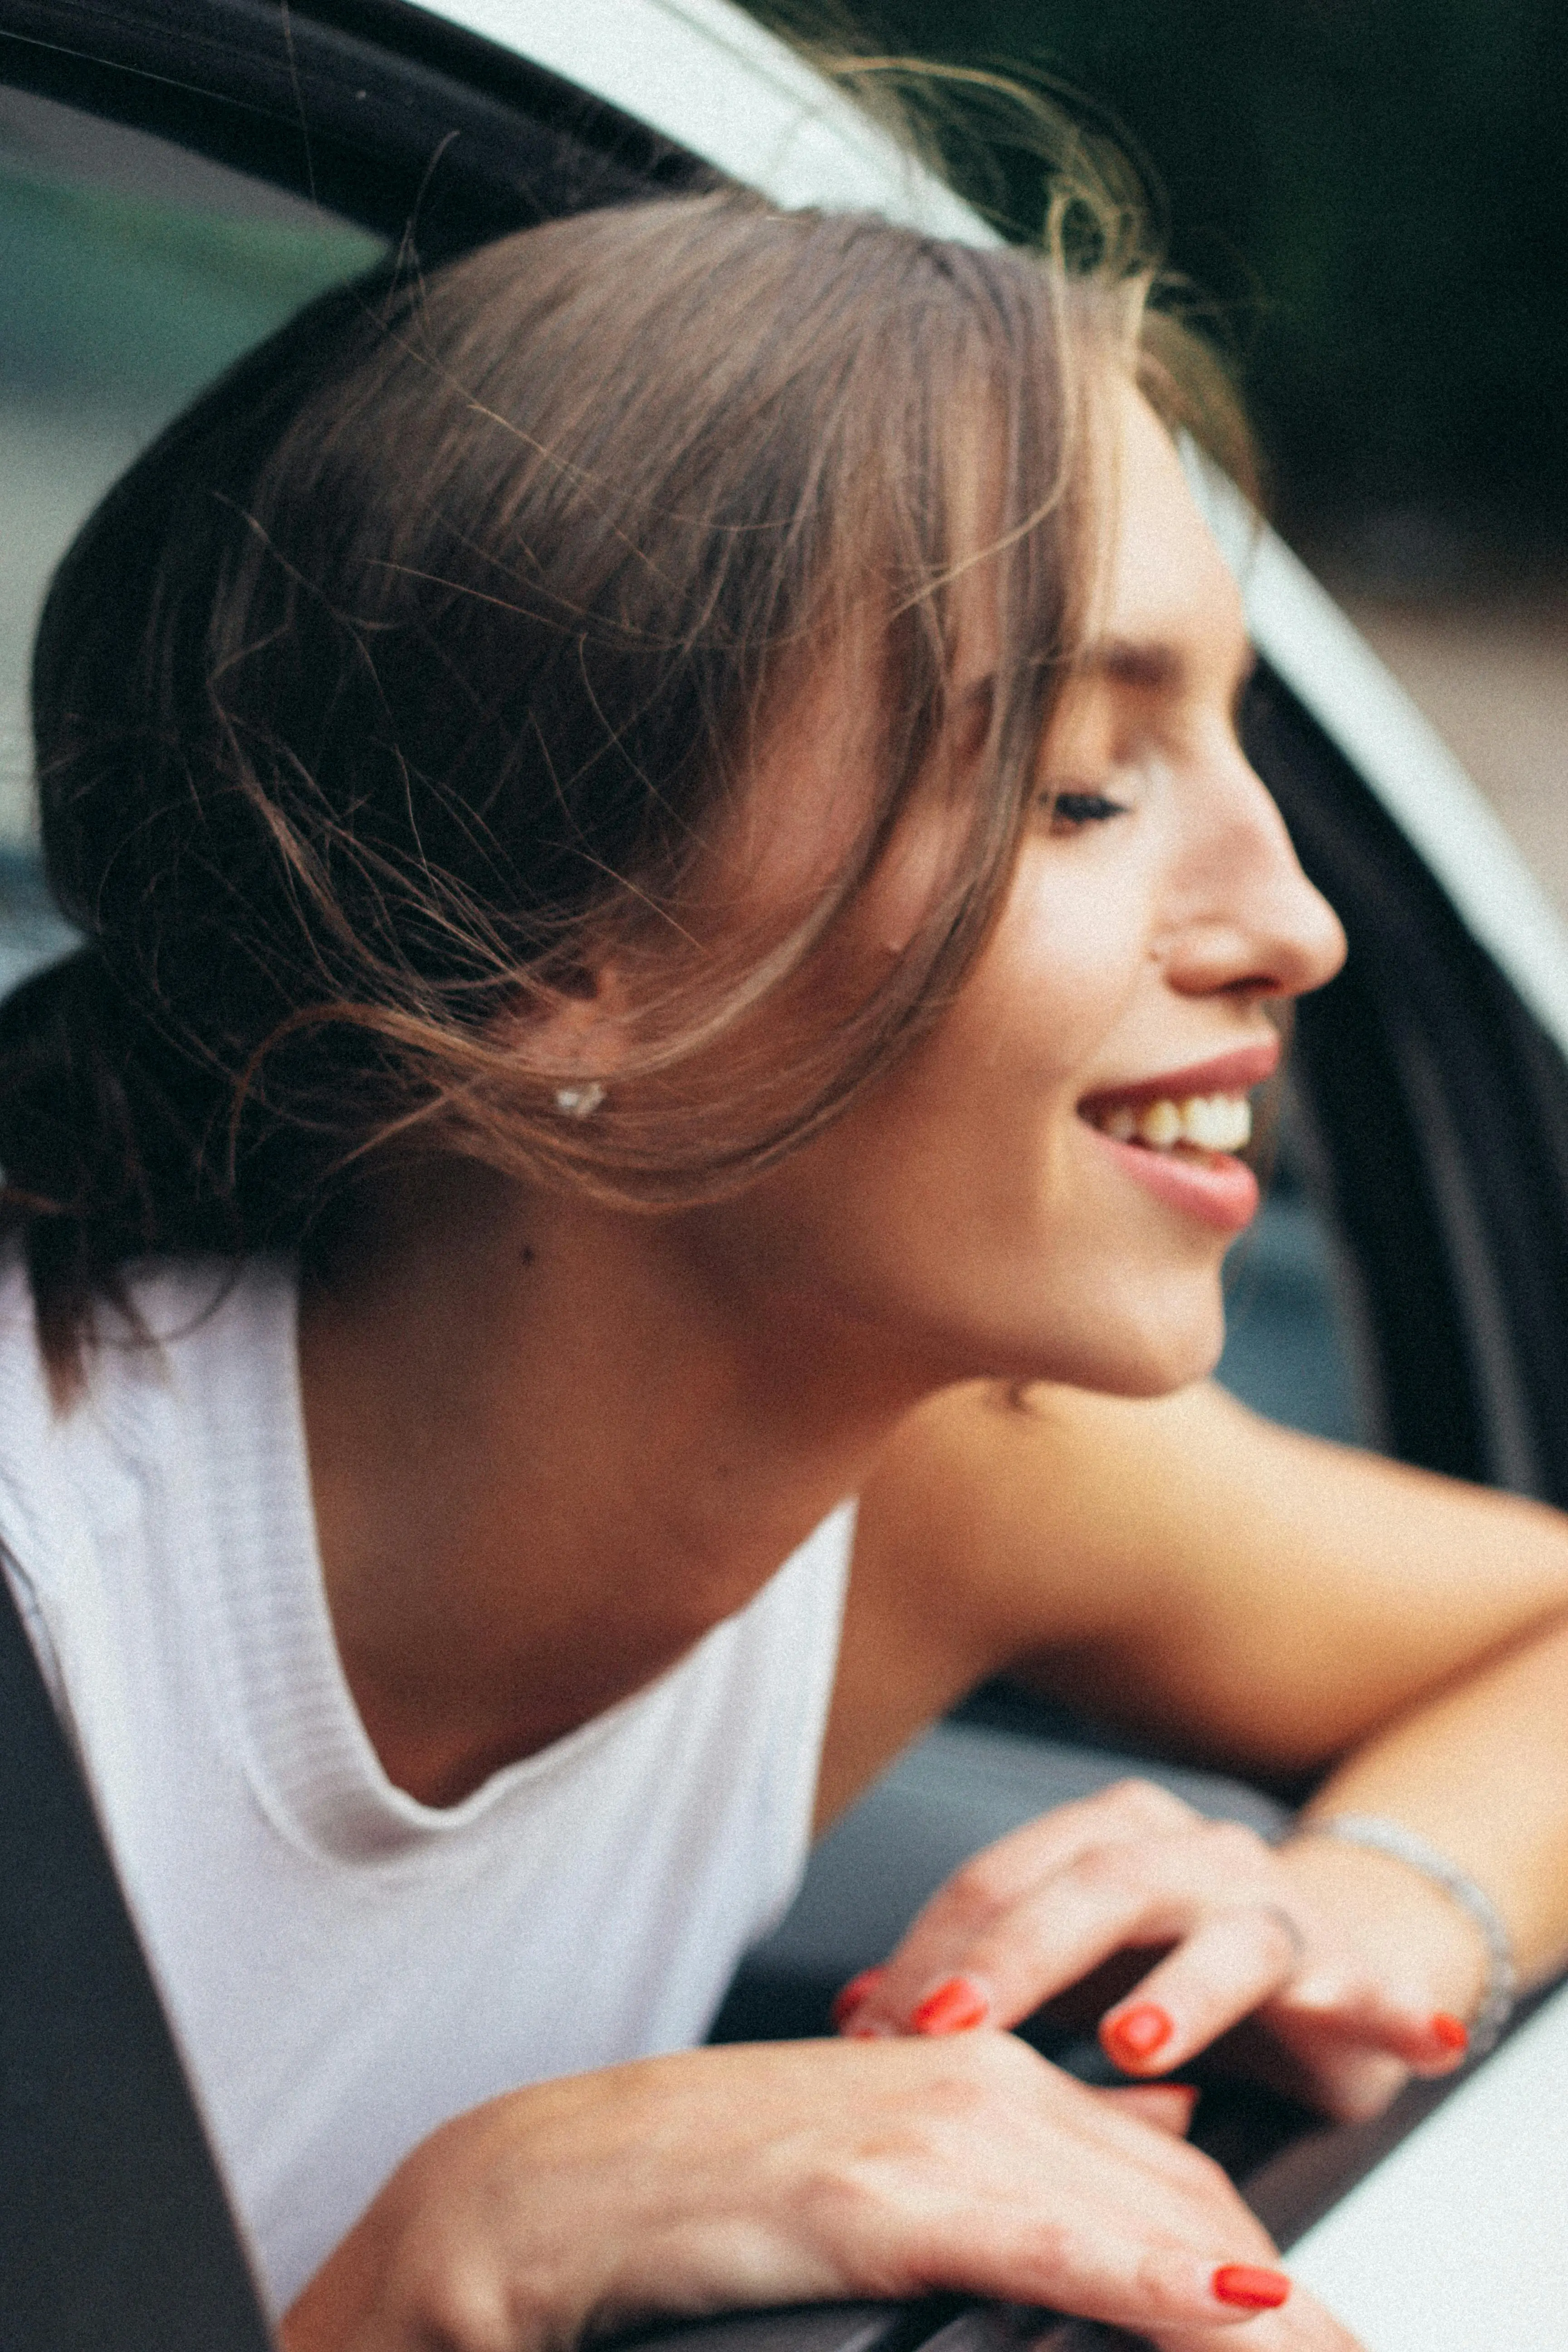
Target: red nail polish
x=854, y=1993
x=1253, y=2289
x=1451, y=2032
x=1137, y=2033
x=954, y=2008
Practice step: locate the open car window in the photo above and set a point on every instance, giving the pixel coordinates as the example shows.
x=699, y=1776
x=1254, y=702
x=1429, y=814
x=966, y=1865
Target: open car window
x=135, y=273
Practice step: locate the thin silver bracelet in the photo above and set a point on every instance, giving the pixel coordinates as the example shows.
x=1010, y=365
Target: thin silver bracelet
x=1381, y=1836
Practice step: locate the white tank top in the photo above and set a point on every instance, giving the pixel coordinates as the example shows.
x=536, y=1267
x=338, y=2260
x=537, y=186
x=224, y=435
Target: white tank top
x=344, y=1967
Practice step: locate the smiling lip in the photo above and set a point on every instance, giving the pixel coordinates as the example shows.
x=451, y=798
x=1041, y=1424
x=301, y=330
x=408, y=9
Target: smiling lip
x=1215, y=1187
x=1236, y=1073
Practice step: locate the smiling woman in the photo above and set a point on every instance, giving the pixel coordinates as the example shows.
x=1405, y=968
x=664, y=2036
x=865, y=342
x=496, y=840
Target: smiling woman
x=648, y=572
x=1154, y=908
x=677, y=933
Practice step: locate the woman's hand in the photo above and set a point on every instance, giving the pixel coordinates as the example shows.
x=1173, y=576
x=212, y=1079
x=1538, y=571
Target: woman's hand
x=1351, y=1965
x=797, y=2172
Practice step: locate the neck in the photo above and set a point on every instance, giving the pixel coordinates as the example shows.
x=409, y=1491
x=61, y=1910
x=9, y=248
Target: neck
x=550, y=1447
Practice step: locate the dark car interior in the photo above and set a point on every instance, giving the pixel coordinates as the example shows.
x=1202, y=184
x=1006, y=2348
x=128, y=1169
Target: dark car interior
x=1405, y=1288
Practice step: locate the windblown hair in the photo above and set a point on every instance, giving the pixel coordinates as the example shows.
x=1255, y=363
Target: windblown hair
x=410, y=678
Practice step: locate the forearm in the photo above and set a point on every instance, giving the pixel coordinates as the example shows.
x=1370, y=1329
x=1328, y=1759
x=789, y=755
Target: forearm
x=1237, y=1592
x=1480, y=1770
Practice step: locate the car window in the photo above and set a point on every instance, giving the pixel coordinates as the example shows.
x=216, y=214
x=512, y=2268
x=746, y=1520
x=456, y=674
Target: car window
x=134, y=273
x=1293, y=1348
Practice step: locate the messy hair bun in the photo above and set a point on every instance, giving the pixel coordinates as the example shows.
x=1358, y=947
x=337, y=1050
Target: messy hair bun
x=408, y=675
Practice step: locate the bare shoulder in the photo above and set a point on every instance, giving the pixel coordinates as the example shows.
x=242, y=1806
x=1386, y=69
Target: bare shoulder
x=1053, y=1515
x=967, y=1498
x=1044, y=1512
x=969, y=1555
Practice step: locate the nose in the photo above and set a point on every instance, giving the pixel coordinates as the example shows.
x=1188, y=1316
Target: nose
x=1251, y=923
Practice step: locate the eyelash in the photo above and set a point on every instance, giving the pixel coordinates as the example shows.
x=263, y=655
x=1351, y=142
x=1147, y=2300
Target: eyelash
x=1082, y=808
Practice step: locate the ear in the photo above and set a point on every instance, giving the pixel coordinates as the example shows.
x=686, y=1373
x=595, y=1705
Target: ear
x=580, y=1034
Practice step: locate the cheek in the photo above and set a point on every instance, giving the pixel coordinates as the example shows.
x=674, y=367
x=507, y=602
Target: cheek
x=1053, y=985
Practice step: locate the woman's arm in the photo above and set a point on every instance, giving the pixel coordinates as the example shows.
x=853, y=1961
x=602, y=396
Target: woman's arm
x=1261, y=1600
x=1243, y=1594
x=803, y=2172
x=1480, y=1772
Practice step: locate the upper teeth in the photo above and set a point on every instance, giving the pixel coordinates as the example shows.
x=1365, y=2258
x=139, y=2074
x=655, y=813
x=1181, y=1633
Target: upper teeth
x=1214, y=1122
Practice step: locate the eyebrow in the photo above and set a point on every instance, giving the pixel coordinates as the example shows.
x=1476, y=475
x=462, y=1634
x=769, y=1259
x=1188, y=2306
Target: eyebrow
x=1150, y=665
x=1141, y=662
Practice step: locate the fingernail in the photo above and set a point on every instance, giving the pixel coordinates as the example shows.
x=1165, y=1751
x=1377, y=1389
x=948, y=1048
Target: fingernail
x=1137, y=2033
x=954, y=2008
x=850, y=1999
x=1253, y=2289
x=1451, y=2032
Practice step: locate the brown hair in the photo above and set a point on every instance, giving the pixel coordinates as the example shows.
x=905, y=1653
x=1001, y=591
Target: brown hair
x=415, y=668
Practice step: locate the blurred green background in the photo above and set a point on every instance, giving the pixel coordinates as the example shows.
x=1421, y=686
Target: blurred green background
x=1375, y=192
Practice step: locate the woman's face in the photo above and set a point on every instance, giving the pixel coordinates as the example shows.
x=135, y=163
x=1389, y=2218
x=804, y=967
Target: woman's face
x=992, y=1206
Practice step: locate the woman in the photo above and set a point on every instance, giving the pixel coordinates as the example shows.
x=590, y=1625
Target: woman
x=662, y=842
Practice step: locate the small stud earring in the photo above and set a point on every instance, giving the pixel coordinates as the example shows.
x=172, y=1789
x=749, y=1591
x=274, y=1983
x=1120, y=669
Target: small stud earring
x=579, y=1102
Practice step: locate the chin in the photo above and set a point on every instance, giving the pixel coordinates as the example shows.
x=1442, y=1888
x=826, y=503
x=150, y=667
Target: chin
x=1137, y=1358
x=1147, y=1378
x=1133, y=1333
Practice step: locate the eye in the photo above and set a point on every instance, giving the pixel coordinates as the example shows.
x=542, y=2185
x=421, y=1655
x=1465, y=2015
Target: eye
x=1069, y=810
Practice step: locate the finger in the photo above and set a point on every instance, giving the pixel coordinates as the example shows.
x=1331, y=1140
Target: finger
x=1167, y=2106
x=1352, y=2065
x=1348, y=2086
x=1229, y=1966
x=1178, y=2185
x=1127, y=1811
x=1102, y=1902
x=1139, y=2229
x=1356, y=2012
x=1118, y=2164
x=1099, y=2272
x=1003, y=1875
x=849, y=1998
x=1301, y=2324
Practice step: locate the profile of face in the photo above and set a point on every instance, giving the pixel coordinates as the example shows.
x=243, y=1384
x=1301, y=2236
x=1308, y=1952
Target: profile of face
x=1011, y=1199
